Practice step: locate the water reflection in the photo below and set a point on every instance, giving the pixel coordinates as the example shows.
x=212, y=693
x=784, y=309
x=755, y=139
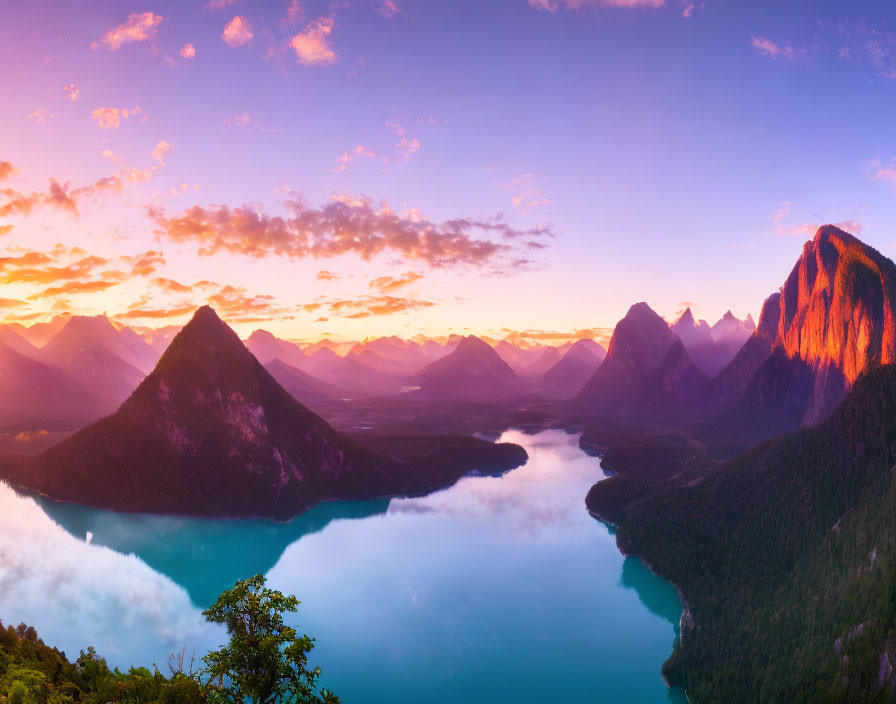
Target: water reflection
x=204, y=556
x=654, y=592
x=496, y=589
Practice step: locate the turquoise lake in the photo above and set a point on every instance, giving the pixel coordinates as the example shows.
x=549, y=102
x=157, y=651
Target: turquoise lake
x=497, y=589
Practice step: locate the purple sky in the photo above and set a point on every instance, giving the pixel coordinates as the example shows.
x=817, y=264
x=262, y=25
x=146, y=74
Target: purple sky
x=374, y=167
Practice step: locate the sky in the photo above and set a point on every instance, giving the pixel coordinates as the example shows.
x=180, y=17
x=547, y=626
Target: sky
x=374, y=167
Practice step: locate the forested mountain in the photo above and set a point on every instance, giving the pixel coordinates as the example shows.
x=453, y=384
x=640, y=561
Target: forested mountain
x=785, y=556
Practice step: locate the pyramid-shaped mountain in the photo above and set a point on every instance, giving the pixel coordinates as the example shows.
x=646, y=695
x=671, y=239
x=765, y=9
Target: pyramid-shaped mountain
x=210, y=432
x=568, y=376
x=472, y=371
x=647, y=372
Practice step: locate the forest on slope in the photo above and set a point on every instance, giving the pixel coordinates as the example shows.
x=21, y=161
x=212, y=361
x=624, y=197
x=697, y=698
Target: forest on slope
x=786, y=558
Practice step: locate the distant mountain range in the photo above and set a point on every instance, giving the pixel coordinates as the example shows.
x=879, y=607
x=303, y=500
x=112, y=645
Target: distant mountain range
x=210, y=432
x=473, y=371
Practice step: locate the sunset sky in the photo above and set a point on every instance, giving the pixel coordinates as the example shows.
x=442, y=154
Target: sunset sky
x=375, y=167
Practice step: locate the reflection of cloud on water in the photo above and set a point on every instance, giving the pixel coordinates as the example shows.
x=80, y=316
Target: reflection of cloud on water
x=77, y=594
x=546, y=493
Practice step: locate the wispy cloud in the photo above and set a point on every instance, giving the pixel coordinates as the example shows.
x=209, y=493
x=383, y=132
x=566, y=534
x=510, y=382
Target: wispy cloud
x=187, y=52
x=137, y=28
x=387, y=284
x=71, y=92
x=853, y=227
x=406, y=146
x=526, y=193
x=41, y=116
x=554, y=5
x=366, y=306
x=766, y=47
x=58, y=195
x=782, y=212
x=349, y=156
x=347, y=225
x=880, y=171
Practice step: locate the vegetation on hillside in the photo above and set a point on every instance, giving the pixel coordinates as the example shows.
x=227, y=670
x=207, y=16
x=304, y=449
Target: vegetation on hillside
x=786, y=557
x=264, y=662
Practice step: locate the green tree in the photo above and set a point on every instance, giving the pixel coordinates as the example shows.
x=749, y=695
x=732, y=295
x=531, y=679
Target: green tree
x=25, y=686
x=266, y=661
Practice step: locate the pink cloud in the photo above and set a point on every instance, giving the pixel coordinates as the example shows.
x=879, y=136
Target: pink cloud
x=346, y=225
x=162, y=148
x=767, y=47
x=188, y=52
x=294, y=13
x=41, y=117
x=71, y=92
x=526, y=194
x=349, y=156
x=884, y=172
x=137, y=28
x=312, y=46
x=110, y=118
x=237, y=32
x=809, y=229
x=406, y=146
x=219, y=4
x=554, y=5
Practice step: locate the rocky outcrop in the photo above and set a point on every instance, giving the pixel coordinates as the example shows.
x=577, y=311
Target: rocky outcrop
x=832, y=320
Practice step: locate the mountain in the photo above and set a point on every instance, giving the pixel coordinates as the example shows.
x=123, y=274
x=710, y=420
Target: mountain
x=34, y=394
x=321, y=361
x=267, y=348
x=567, y=377
x=517, y=357
x=98, y=331
x=698, y=341
x=647, y=373
x=785, y=557
x=40, y=333
x=473, y=371
x=210, y=432
x=88, y=351
x=302, y=386
x=730, y=334
x=407, y=356
x=548, y=357
x=389, y=366
x=143, y=354
x=834, y=318
x=15, y=341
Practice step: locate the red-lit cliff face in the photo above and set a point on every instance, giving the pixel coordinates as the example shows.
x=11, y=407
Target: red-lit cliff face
x=832, y=320
x=837, y=305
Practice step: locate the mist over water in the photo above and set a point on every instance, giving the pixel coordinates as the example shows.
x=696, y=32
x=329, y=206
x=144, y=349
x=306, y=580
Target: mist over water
x=496, y=589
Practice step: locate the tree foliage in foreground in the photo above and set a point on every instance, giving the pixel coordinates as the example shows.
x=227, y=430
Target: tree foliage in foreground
x=264, y=662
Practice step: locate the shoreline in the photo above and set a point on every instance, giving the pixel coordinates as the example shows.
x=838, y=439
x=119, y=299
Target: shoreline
x=686, y=617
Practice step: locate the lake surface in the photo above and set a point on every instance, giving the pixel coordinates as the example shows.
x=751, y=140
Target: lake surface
x=496, y=589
